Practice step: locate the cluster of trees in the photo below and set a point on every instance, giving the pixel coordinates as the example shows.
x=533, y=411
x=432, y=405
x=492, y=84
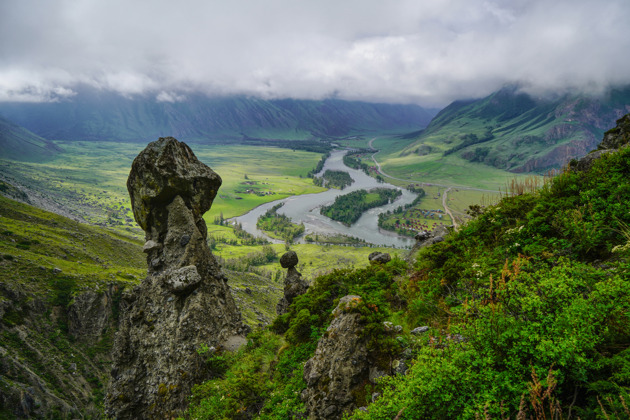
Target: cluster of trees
x=279, y=225
x=352, y=160
x=335, y=239
x=243, y=264
x=348, y=208
x=320, y=165
x=244, y=237
x=334, y=179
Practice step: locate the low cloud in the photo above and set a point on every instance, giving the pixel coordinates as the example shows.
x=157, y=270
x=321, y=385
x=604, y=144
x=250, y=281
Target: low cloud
x=401, y=51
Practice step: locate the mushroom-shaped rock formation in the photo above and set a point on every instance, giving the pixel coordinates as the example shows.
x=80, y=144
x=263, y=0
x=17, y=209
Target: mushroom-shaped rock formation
x=185, y=303
x=294, y=285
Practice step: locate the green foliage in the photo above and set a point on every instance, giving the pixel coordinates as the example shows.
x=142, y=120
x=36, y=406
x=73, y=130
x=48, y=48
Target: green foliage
x=241, y=391
x=566, y=318
x=337, y=179
x=279, y=225
x=265, y=379
x=348, y=208
x=521, y=286
x=353, y=160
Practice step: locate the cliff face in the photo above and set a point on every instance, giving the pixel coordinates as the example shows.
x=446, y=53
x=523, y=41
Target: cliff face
x=185, y=302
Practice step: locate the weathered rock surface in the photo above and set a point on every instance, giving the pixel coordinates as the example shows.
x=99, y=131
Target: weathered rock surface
x=617, y=137
x=44, y=383
x=379, y=257
x=184, y=302
x=294, y=285
x=90, y=314
x=339, y=366
x=614, y=139
x=425, y=238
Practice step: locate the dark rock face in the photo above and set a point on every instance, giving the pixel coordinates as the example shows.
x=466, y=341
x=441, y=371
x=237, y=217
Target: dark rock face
x=184, y=302
x=614, y=139
x=294, y=285
x=619, y=136
x=340, y=365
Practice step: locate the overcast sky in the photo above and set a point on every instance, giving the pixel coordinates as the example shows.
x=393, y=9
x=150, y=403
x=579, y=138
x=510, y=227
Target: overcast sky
x=428, y=52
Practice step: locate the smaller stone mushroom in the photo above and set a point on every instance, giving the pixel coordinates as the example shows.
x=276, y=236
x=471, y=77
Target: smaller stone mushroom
x=294, y=285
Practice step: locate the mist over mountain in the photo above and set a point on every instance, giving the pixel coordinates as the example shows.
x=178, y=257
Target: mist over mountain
x=514, y=130
x=101, y=115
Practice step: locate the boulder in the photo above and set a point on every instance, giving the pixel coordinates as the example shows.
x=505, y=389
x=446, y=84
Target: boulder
x=379, y=257
x=289, y=259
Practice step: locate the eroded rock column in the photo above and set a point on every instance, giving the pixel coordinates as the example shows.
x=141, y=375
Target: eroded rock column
x=184, y=303
x=294, y=285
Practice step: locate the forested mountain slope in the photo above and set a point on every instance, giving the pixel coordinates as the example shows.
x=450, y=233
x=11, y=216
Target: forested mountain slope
x=513, y=130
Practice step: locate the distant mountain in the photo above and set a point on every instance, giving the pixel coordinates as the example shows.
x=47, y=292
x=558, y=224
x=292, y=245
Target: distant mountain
x=18, y=143
x=515, y=131
x=96, y=115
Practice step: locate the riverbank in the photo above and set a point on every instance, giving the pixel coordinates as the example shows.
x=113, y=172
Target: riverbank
x=305, y=209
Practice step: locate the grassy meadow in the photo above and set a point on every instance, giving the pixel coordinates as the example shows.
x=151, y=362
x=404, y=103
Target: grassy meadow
x=88, y=179
x=438, y=169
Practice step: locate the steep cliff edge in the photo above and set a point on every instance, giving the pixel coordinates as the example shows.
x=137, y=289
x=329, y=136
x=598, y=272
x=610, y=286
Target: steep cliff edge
x=184, y=303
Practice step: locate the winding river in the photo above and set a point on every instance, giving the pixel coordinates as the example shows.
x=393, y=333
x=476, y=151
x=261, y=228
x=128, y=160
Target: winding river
x=305, y=209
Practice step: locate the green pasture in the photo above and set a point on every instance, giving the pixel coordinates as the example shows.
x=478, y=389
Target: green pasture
x=314, y=259
x=280, y=172
x=435, y=168
x=88, y=179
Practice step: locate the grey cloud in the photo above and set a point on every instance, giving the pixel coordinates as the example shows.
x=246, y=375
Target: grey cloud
x=395, y=51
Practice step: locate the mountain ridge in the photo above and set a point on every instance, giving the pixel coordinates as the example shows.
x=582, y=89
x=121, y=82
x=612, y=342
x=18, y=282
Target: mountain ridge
x=516, y=131
x=94, y=115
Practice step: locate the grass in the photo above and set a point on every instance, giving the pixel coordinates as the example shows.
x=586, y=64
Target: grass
x=35, y=243
x=314, y=259
x=282, y=172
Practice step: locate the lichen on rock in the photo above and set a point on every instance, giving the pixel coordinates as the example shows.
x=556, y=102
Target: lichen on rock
x=184, y=303
x=340, y=365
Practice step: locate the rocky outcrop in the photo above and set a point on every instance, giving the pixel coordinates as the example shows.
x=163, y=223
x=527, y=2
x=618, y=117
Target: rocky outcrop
x=184, y=303
x=90, y=314
x=294, y=285
x=614, y=139
x=339, y=366
x=36, y=378
x=379, y=257
x=617, y=137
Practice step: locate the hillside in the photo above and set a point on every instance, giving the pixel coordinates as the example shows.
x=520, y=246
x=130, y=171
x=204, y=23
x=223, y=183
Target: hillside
x=514, y=131
x=18, y=143
x=60, y=286
x=523, y=313
x=96, y=115
x=61, y=283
